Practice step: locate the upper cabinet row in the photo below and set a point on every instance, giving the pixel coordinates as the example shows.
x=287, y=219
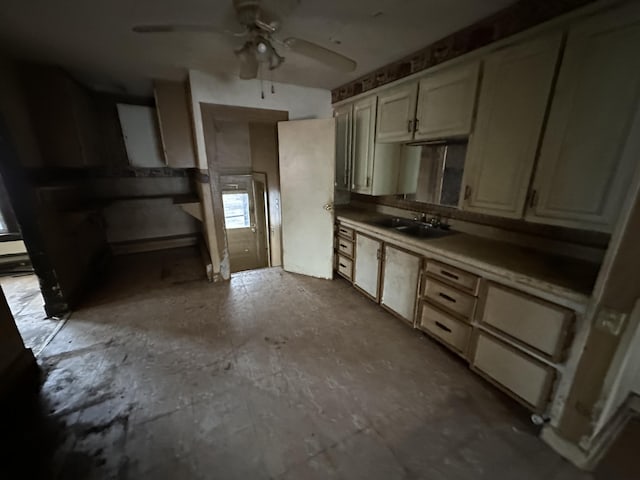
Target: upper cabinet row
x=370, y=157
x=438, y=106
x=555, y=133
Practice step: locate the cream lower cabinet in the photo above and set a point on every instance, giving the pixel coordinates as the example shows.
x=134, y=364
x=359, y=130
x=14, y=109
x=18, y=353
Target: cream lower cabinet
x=515, y=333
x=366, y=271
x=514, y=340
x=400, y=275
x=592, y=140
x=503, y=147
x=526, y=379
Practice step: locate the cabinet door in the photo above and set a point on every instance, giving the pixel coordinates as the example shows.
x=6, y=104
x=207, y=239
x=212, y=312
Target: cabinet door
x=400, y=282
x=364, y=127
x=140, y=131
x=396, y=113
x=366, y=275
x=446, y=101
x=174, y=119
x=343, y=116
x=505, y=140
x=592, y=140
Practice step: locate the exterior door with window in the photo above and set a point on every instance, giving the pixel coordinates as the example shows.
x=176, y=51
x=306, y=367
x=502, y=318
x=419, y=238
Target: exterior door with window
x=247, y=247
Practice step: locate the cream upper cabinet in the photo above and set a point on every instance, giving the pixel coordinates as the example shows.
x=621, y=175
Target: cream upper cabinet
x=446, y=101
x=396, y=113
x=592, y=141
x=363, y=144
x=513, y=100
x=401, y=271
x=343, y=116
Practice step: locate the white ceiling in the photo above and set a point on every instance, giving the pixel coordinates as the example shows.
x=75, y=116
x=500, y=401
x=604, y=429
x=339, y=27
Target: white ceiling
x=93, y=38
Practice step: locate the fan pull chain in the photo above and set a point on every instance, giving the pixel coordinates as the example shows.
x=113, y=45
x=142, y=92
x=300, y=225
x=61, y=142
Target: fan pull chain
x=273, y=89
x=261, y=81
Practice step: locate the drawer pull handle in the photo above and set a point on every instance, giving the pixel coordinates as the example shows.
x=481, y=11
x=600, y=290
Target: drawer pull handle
x=343, y=265
x=343, y=245
x=449, y=274
x=443, y=327
x=447, y=297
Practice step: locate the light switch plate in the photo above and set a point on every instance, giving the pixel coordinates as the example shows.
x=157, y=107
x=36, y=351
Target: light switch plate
x=610, y=321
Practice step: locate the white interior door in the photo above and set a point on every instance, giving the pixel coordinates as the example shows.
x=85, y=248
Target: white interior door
x=307, y=170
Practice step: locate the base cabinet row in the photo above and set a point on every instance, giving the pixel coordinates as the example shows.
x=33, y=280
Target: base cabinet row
x=514, y=340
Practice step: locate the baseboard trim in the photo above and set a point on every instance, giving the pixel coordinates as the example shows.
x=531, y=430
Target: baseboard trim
x=565, y=448
x=153, y=244
x=596, y=447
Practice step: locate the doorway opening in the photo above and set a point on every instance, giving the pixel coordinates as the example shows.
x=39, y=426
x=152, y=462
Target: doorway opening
x=244, y=201
x=242, y=154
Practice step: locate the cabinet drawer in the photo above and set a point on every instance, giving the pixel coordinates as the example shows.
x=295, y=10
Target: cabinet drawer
x=448, y=297
x=444, y=327
x=345, y=266
x=530, y=320
x=344, y=246
x=345, y=232
x=459, y=278
x=524, y=378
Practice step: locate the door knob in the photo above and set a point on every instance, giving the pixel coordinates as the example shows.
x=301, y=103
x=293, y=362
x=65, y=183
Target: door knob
x=328, y=207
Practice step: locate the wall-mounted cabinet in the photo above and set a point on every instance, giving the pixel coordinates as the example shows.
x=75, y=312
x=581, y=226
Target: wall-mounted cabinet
x=174, y=120
x=141, y=136
x=503, y=147
x=396, y=113
x=363, y=144
x=592, y=140
x=344, y=125
x=446, y=102
x=555, y=138
x=440, y=105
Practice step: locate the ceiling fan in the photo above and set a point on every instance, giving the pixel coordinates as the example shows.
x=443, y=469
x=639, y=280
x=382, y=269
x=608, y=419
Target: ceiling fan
x=259, y=26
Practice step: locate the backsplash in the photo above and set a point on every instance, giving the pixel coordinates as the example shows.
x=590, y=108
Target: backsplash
x=583, y=244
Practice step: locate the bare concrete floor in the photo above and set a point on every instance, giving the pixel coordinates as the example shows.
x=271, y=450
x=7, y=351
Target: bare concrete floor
x=274, y=375
x=27, y=306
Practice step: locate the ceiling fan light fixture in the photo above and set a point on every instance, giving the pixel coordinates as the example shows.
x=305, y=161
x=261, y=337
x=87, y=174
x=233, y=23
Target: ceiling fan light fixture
x=248, y=61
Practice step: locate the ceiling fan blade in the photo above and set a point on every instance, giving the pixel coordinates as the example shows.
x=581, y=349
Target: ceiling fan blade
x=184, y=28
x=321, y=54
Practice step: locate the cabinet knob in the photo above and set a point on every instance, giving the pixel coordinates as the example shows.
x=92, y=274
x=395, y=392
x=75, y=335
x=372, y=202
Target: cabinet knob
x=410, y=126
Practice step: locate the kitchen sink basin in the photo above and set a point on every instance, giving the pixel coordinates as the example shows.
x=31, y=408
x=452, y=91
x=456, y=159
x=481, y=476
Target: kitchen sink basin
x=395, y=222
x=412, y=228
x=426, y=231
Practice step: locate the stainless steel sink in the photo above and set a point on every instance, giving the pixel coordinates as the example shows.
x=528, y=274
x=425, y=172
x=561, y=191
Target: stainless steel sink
x=412, y=228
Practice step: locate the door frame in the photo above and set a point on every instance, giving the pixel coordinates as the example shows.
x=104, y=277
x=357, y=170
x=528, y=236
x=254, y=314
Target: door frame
x=210, y=113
